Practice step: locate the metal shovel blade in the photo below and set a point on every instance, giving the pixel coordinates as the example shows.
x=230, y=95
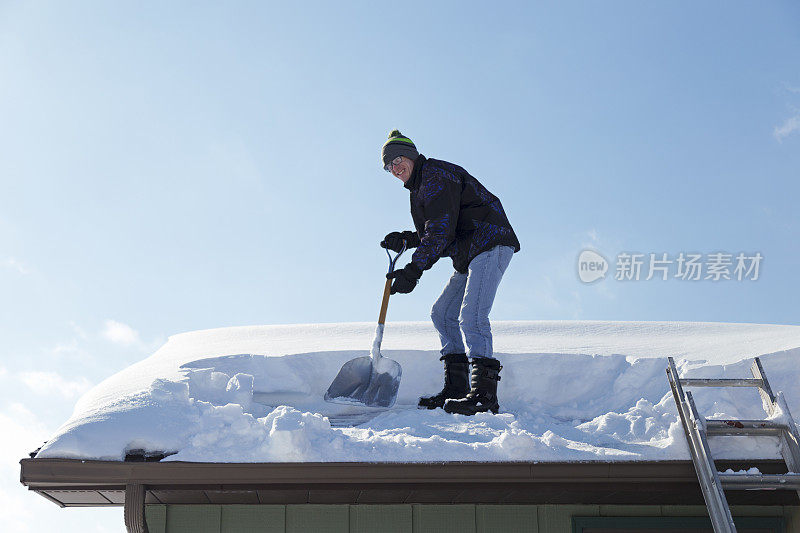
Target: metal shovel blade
x=372, y=381
x=364, y=381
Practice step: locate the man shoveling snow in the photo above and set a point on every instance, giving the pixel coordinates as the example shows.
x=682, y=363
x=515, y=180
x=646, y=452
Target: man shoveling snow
x=457, y=217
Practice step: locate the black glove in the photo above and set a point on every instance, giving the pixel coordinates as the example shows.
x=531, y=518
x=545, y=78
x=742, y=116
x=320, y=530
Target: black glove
x=394, y=240
x=405, y=279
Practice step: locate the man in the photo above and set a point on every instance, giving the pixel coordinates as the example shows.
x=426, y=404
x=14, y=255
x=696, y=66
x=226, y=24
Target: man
x=455, y=216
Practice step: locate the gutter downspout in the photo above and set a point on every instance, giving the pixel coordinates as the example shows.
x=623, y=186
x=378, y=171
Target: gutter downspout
x=134, y=509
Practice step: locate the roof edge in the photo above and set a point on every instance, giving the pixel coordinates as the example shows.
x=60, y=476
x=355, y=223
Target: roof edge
x=75, y=482
x=77, y=472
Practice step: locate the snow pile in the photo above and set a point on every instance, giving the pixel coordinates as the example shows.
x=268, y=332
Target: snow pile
x=749, y=472
x=570, y=391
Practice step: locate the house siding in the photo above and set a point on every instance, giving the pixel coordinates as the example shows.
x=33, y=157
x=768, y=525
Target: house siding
x=416, y=518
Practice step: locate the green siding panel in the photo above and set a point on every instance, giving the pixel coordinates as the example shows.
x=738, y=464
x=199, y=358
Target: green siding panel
x=684, y=510
x=558, y=518
x=757, y=510
x=380, y=519
x=792, y=516
x=444, y=519
x=630, y=510
x=253, y=519
x=156, y=518
x=193, y=519
x=308, y=518
x=507, y=519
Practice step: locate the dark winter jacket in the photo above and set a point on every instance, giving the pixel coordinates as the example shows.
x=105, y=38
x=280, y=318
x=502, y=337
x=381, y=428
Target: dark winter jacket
x=455, y=216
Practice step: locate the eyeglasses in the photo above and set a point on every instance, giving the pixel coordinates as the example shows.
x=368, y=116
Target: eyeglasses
x=390, y=165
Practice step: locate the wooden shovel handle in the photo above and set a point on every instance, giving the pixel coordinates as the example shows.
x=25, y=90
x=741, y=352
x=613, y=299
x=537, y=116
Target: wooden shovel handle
x=387, y=290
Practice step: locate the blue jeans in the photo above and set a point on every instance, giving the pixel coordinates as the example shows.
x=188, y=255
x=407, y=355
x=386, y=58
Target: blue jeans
x=466, y=302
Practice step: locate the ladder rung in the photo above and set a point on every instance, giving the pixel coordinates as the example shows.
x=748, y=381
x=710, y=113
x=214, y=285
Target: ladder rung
x=744, y=427
x=744, y=382
x=760, y=481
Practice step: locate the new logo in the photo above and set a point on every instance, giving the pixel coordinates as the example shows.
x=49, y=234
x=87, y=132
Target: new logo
x=591, y=266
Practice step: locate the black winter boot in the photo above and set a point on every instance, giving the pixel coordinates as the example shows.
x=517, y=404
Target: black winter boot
x=482, y=396
x=456, y=381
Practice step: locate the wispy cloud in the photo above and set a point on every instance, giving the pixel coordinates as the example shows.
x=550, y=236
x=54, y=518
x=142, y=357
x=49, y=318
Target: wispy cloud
x=604, y=290
x=789, y=126
x=48, y=383
x=594, y=238
x=14, y=264
x=22, y=432
x=79, y=332
x=111, y=341
x=554, y=297
x=71, y=349
x=120, y=333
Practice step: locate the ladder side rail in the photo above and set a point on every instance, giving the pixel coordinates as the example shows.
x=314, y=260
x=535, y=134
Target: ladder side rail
x=767, y=396
x=717, y=503
x=790, y=440
x=675, y=382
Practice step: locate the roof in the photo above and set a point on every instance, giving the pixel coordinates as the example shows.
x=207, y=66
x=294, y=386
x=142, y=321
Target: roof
x=77, y=483
x=570, y=391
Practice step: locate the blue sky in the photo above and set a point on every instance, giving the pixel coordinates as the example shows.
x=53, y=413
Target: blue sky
x=166, y=168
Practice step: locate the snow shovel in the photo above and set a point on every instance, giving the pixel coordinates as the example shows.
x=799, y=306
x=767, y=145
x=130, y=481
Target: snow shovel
x=372, y=380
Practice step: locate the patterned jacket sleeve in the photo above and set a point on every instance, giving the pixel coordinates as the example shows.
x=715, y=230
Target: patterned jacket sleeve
x=440, y=193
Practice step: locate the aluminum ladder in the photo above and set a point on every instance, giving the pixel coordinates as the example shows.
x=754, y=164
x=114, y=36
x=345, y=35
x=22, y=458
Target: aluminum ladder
x=698, y=429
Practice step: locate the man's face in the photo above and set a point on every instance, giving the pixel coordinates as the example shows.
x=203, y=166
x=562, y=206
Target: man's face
x=403, y=169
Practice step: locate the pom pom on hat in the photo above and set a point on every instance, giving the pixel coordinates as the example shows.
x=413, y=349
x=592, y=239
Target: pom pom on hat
x=398, y=144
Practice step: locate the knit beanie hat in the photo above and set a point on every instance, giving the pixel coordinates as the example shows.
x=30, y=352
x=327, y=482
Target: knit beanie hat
x=397, y=145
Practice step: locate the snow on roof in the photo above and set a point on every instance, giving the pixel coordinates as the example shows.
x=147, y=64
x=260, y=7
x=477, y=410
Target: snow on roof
x=570, y=391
